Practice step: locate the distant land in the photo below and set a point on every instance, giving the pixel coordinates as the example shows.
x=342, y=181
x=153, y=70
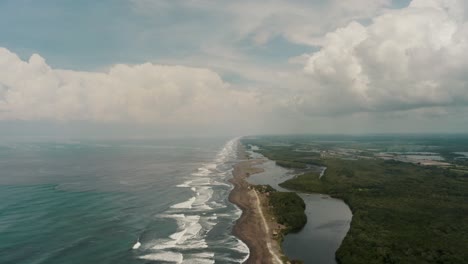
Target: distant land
x=408, y=193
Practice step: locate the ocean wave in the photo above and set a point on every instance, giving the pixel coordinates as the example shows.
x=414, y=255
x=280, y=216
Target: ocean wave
x=137, y=245
x=198, y=215
x=173, y=257
x=200, y=258
x=185, y=205
x=185, y=184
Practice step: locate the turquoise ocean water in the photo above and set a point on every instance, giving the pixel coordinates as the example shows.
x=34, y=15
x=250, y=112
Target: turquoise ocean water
x=118, y=202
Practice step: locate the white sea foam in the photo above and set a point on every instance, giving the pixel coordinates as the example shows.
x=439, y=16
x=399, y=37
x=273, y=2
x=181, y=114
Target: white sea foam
x=165, y=256
x=199, y=261
x=180, y=244
x=200, y=258
x=189, y=228
x=185, y=184
x=182, y=219
x=178, y=235
x=173, y=216
x=192, y=231
x=194, y=244
x=203, y=171
x=224, y=215
x=196, y=218
x=208, y=223
x=163, y=244
x=202, y=181
x=238, y=212
x=137, y=245
x=204, y=195
x=185, y=205
x=217, y=205
x=203, y=255
x=237, y=245
x=242, y=248
x=217, y=183
x=214, y=217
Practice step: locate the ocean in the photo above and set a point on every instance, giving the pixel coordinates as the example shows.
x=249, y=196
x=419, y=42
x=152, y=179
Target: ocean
x=135, y=201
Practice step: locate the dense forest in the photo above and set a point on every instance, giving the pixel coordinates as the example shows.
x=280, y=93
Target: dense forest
x=287, y=207
x=402, y=212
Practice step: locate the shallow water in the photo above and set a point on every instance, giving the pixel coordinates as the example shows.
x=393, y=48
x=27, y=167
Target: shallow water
x=272, y=175
x=118, y=202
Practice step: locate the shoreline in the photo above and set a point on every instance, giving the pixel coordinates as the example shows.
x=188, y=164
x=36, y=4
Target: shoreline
x=253, y=227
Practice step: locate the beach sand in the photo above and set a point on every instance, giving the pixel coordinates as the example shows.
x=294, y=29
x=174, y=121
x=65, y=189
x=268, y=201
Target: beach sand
x=255, y=226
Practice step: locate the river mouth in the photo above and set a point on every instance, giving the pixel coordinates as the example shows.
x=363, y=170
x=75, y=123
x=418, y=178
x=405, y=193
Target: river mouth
x=328, y=219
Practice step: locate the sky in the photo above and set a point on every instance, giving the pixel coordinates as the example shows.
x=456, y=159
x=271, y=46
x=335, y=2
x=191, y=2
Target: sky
x=156, y=68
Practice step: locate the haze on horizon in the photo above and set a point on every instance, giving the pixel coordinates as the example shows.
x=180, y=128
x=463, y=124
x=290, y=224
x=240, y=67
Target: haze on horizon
x=199, y=67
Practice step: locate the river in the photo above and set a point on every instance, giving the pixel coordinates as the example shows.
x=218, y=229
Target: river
x=328, y=219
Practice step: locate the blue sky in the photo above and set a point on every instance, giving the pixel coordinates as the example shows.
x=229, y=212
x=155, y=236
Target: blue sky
x=75, y=34
x=92, y=34
x=276, y=66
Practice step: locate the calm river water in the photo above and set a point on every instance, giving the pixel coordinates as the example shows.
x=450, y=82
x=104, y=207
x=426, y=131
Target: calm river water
x=328, y=219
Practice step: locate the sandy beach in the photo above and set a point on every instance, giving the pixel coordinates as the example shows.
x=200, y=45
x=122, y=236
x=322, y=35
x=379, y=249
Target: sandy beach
x=255, y=226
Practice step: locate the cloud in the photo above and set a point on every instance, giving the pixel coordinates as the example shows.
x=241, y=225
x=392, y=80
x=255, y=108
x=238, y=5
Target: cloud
x=298, y=21
x=404, y=59
x=357, y=60
x=145, y=93
x=301, y=22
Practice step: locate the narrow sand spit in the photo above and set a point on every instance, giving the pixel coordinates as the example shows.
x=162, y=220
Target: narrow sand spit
x=272, y=251
x=252, y=227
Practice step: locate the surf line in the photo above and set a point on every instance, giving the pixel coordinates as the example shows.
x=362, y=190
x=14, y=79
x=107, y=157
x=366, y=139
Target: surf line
x=137, y=244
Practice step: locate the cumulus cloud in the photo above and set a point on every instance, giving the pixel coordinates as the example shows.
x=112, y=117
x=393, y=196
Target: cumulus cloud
x=301, y=22
x=409, y=58
x=148, y=93
x=370, y=62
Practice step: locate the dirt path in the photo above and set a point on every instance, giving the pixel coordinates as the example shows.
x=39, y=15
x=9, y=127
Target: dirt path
x=276, y=259
x=252, y=226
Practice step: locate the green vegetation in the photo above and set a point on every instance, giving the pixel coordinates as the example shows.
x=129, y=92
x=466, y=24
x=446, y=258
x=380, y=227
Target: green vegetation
x=285, y=155
x=308, y=182
x=402, y=212
x=287, y=207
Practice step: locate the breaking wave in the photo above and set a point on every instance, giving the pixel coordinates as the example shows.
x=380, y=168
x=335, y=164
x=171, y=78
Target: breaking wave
x=195, y=218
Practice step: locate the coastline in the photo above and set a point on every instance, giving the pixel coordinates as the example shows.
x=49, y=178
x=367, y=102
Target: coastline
x=255, y=226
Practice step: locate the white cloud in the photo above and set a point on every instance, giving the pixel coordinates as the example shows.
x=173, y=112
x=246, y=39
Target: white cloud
x=148, y=93
x=374, y=63
x=302, y=22
x=405, y=59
